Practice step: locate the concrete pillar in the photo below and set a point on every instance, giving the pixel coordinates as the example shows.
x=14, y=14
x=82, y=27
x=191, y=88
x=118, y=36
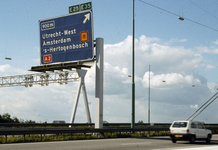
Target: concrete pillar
x=99, y=83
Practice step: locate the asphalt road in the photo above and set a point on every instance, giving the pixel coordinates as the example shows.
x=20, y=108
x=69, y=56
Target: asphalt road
x=148, y=143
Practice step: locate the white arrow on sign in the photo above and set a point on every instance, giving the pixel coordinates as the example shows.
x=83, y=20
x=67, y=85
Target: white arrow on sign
x=87, y=18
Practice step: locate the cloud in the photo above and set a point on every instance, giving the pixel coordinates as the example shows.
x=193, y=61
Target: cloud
x=208, y=67
x=215, y=42
x=36, y=60
x=169, y=80
x=213, y=87
x=174, y=65
x=8, y=70
x=211, y=50
x=170, y=100
x=148, y=51
x=194, y=106
x=177, y=40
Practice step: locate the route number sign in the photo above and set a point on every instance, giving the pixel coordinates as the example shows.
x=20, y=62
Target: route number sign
x=80, y=7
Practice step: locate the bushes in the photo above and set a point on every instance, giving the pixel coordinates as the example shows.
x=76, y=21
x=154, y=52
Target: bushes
x=65, y=137
x=37, y=138
x=6, y=118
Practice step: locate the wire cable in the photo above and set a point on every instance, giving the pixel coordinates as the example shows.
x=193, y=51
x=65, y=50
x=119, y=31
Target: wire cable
x=202, y=106
x=178, y=15
x=158, y=7
x=205, y=108
x=203, y=9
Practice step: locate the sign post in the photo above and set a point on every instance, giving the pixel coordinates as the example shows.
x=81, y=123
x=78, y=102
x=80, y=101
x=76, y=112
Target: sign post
x=99, y=79
x=67, y=38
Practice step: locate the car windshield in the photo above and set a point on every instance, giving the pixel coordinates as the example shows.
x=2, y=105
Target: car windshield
x=180, y=124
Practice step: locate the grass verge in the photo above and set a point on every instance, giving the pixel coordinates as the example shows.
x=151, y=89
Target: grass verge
x=66, y=137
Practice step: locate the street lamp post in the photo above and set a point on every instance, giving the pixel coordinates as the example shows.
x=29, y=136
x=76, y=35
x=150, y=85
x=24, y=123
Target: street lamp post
x=133, y=76
x=149, y=96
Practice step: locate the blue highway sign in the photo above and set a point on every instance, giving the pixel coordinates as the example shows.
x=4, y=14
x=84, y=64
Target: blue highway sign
x=66, y=38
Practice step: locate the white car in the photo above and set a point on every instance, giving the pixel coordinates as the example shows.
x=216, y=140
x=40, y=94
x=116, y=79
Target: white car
x=189, y=130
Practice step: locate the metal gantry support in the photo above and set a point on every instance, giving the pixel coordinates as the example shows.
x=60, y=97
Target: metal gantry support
x=43, y=79
x=81, y=74
x=55, y=74
x=99, y=83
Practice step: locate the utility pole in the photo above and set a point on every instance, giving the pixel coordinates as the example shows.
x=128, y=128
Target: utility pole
x=149, y=96
x=133, y=70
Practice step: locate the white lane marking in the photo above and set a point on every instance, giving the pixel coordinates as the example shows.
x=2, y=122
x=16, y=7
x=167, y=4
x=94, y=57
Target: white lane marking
x=200, y=148
x=182, y=148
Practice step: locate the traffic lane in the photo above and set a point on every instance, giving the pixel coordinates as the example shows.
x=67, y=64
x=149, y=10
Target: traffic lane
x=166, y=144
x=148, y=143
x=99, y=144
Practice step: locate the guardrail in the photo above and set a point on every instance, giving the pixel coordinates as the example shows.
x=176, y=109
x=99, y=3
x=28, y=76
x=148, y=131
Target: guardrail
x=76, y=124
x=72, y=130
x=85, y=124
x=65, y=129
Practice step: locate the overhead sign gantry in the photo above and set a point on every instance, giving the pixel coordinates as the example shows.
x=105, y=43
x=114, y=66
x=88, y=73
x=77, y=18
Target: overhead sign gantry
x=66, y=42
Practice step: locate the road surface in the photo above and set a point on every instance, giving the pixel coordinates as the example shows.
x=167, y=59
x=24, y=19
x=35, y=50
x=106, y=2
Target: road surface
x=145, y=143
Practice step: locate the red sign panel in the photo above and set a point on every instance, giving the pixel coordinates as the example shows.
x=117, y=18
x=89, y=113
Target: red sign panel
x=47, y=58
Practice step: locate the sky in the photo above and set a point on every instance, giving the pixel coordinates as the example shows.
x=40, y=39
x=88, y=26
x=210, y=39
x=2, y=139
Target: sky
x=182, y=56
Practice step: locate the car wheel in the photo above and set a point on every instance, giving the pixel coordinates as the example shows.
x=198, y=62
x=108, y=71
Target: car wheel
x=208, y=139
x=192, y=140
x=174, y=140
